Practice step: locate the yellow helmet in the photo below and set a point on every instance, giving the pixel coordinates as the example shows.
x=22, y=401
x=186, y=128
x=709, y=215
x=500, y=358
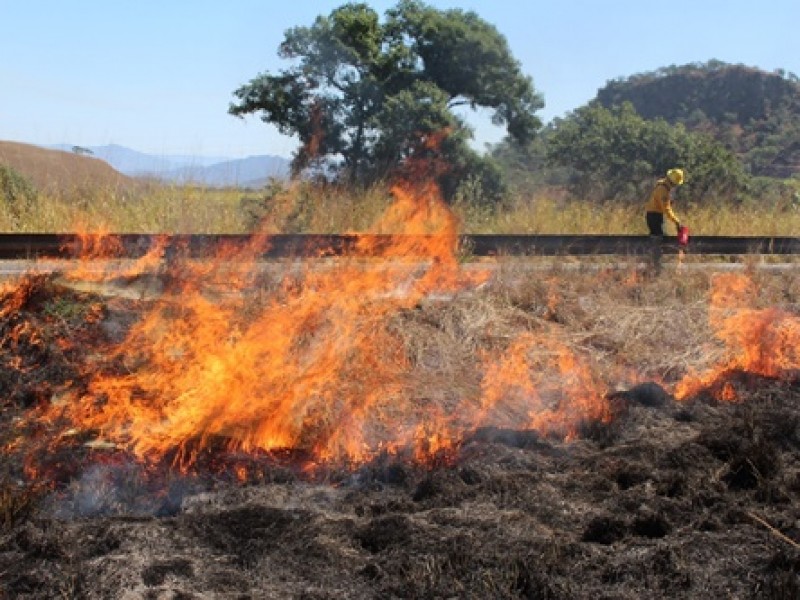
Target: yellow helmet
x=675, y=176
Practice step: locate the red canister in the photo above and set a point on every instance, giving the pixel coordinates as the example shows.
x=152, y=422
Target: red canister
x=683, y=235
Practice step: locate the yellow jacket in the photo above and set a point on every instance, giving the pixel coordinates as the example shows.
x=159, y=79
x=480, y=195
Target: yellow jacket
x=660, y=200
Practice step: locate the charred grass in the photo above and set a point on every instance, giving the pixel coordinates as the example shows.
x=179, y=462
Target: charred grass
x=668, y=499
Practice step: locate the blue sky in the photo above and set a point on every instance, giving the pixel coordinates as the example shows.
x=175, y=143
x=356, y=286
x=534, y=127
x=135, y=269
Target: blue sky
x=158, y=76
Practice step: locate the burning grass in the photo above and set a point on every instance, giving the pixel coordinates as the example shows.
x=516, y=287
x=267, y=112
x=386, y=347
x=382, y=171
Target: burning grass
x=401, y=427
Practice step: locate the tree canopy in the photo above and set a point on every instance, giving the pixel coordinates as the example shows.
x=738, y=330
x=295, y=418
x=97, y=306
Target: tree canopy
x=735, y=130
x=754, y=113
x=363, y=96
x=616, y=153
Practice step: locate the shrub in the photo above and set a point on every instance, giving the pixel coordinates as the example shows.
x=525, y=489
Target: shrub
x=16, y=193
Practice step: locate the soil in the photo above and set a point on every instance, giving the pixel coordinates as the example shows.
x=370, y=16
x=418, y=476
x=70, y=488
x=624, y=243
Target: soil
x=693, y=499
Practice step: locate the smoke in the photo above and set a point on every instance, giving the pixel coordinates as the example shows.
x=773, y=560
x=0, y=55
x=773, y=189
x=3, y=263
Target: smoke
x=126, y=489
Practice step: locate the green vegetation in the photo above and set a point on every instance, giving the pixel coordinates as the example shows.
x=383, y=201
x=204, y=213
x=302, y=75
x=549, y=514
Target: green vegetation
x=364, y=97
x=17, y=194
x=734, y=129
x=615, y=153
x=753, y=113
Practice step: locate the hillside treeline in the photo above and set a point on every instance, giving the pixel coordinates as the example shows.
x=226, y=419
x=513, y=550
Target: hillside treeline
x=735, y=129
x=754, y=113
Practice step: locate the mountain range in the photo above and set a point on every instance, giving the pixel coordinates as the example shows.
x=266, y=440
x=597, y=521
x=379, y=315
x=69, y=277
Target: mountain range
x=214, y=171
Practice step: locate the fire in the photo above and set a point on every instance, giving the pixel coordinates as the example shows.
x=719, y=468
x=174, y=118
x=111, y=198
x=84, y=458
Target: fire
x=313, y=365
x=310, y=364
x=226, y=370
x=103, y=256
x=761, y=341
x=541, y=384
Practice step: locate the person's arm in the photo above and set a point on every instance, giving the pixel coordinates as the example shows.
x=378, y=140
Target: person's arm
x=669, y=212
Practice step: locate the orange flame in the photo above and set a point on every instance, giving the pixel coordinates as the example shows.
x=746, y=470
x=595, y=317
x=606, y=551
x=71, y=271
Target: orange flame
x=542, y=384
x=763, y=342
x=102, y=253
x=313, y=366
x=311, y=362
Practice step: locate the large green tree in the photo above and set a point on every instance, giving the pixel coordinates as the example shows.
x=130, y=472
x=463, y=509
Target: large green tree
x=615, y=153
x=363, y=96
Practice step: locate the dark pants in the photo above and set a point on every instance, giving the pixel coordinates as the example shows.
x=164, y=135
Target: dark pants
x=655, y=224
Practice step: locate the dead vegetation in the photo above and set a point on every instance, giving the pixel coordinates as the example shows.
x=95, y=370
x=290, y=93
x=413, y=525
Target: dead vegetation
x=667, y=499
x=58, y=171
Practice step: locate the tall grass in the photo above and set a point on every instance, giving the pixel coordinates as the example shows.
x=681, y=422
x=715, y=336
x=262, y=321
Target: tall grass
x=150, y=209
x=562, y=216
x=306, y=208
x=302, y=208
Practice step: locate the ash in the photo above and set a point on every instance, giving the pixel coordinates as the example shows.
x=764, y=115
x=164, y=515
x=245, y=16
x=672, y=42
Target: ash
x=669, y=500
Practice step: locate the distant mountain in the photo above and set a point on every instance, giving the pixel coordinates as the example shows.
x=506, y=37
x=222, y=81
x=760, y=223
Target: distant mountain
x=252, y=171
x=132, y=162
x=217, y=171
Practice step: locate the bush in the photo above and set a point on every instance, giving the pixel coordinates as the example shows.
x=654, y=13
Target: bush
x=616, y=154
x=16, y=193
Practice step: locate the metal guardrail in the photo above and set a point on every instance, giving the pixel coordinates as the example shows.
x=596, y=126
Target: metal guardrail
x=47, y=245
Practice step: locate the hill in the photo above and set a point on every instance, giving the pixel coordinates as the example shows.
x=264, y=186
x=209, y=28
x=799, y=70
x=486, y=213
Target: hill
x=756, y=114
x=56, y=170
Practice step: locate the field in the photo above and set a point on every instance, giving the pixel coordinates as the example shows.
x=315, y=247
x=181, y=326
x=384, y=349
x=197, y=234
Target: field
x=381, y=426
x=300, y=209
x=577, y=433
x=78, y=193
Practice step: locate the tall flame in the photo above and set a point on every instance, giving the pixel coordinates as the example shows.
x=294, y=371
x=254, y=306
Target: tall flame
x=313, y=365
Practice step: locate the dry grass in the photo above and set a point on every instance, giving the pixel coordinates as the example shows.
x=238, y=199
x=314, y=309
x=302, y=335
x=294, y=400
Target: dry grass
x=559, y=216
x=81, y=193
x=151, y=209
x=302, y=207
x=628, y=327
x=16, y=503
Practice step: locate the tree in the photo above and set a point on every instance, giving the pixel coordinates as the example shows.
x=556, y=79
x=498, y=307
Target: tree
x=81, y=151
x=755, y=114
x=364, y=96
x=615, y=153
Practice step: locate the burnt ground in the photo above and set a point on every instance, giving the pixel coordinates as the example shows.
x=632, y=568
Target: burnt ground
x=670, y=500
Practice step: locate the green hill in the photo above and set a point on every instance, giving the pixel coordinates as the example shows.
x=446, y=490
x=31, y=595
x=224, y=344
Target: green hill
x=754, y=113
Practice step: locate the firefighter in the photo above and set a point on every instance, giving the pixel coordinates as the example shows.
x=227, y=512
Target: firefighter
x=658, y=205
